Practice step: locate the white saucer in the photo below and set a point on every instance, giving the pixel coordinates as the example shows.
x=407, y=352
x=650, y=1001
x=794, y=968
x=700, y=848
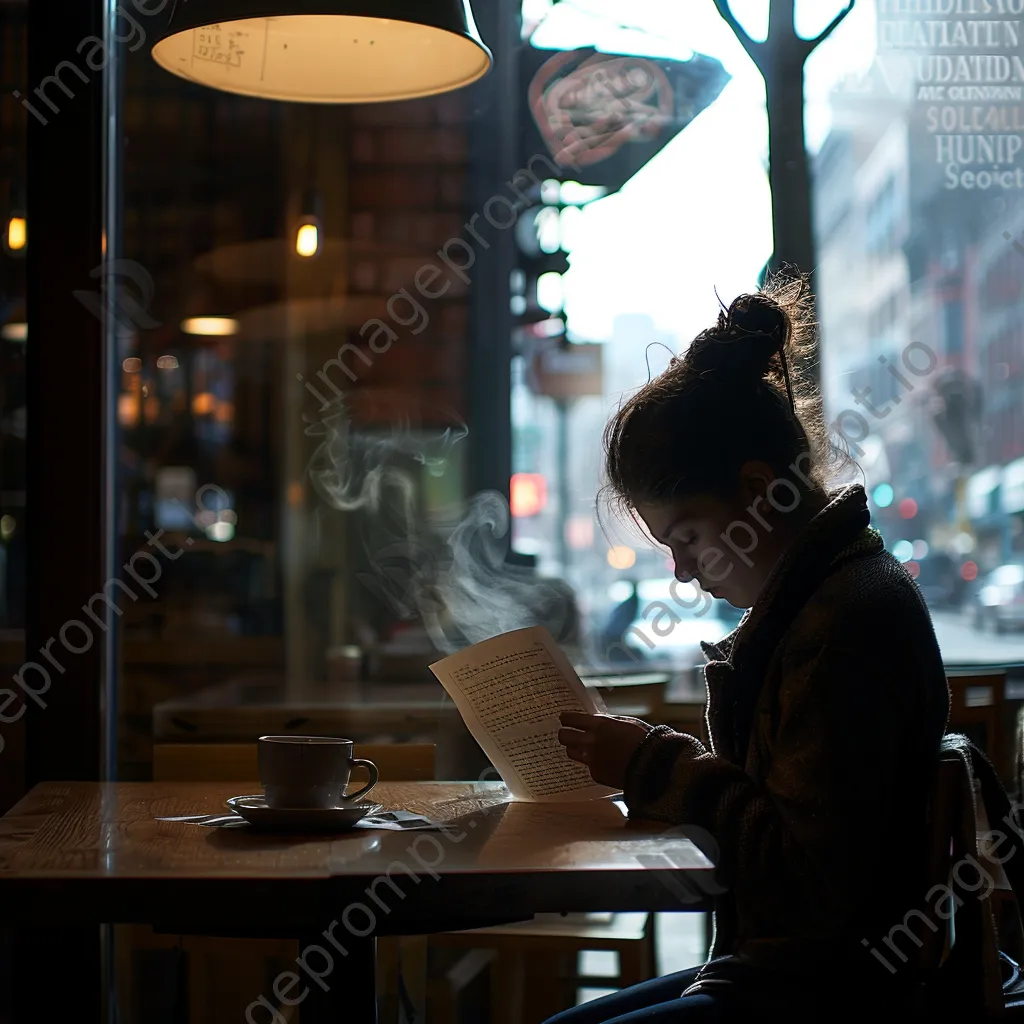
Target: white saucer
x=300, y=819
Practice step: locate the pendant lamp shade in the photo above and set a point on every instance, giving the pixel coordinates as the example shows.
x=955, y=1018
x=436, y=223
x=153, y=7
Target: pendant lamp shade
x=324, y=51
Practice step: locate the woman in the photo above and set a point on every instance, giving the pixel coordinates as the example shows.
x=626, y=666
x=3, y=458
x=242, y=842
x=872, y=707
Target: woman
x=826, y=705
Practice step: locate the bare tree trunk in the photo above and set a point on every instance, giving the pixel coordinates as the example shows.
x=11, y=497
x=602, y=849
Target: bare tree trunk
x=789, y=169
x=780, y=59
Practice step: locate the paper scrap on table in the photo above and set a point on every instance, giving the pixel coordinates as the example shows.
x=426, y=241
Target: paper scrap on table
x=510, y=691
x=395, y=821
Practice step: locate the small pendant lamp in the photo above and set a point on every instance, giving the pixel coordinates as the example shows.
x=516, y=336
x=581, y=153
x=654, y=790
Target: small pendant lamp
x=324, y=51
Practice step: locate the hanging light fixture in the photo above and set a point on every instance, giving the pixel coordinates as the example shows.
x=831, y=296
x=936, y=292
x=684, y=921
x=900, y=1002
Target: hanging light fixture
x=324, y=51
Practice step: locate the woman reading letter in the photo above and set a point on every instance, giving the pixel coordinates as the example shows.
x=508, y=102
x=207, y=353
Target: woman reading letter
x=826, y=705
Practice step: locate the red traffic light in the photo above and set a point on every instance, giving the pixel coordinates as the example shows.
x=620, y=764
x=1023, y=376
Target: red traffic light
x=528, y=494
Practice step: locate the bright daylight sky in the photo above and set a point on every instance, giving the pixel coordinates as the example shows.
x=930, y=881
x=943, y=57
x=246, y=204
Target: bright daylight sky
x=698, y=216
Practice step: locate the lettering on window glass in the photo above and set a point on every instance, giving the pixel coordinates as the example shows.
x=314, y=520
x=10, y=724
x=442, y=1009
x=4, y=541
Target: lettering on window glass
x=963, y=60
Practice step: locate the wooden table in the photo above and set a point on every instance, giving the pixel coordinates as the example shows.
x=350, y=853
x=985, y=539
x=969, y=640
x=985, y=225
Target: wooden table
x=82, y=853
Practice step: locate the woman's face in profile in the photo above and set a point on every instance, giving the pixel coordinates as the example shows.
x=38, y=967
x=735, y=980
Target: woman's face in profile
x=715, y=542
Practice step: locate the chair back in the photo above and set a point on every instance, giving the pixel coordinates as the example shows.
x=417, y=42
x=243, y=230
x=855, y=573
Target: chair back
x=237, y=762
x=959, y=952
x=944, y=808
x=977, y=709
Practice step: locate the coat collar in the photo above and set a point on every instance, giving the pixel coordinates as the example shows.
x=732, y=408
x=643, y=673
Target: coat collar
x=737, y=664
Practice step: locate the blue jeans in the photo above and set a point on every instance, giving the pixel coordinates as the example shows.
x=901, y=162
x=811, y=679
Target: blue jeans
x=660, y=1001
x=652, y=1002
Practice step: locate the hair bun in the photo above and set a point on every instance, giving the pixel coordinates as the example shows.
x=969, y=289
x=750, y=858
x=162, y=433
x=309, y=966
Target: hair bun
x=759, y=315
x=747, y=337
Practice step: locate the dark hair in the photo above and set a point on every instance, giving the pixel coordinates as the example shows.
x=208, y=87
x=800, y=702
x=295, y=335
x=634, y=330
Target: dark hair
x=725, y=401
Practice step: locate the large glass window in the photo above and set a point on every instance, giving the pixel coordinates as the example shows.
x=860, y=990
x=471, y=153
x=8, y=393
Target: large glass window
x=914, y=141
x=925, y=114
x=303, y=448
x=299, y=297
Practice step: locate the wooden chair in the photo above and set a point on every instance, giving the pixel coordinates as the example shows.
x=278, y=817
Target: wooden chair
x=236, y=762
x=225, y=975
x=958, y=953
x=534, y=964
x=977, y=708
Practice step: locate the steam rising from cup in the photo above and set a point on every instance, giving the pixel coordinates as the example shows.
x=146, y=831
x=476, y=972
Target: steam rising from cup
x=453, y=575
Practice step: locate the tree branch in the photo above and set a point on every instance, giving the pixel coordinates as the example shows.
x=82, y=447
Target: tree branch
x=753, y=49
x=829, y=28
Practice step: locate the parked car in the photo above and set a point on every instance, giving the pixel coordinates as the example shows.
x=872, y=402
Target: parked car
x=998, y=600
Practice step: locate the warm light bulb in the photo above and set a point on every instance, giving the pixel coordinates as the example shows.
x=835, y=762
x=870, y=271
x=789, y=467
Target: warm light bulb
x=17, y=233
x=204, y=404
x=210, y=325
x=307, y=241
x=128, y=406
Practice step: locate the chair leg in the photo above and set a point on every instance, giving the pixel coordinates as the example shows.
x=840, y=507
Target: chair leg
x=445, y=987
x=550, y=984
x=632, y=964
x=649, y=947
x=709, y=932
x=412, y=952
x=508, y=977
x=401, y=978
x=387, y=979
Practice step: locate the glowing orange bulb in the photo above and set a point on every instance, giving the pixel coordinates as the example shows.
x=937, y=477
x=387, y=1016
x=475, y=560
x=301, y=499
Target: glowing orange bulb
x=17, y=233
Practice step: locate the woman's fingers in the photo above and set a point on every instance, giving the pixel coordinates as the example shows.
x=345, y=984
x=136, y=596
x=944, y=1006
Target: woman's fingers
x=574, y=737
x=578, y=745
x=579, y=720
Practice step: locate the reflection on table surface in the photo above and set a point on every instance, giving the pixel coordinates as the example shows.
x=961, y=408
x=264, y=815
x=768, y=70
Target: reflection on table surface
x=93, y=830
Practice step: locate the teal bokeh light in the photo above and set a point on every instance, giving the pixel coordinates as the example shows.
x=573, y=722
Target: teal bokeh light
x=883, y=495
x=903, y=550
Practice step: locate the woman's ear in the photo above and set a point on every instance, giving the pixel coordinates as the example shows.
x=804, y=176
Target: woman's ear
x=755, y=478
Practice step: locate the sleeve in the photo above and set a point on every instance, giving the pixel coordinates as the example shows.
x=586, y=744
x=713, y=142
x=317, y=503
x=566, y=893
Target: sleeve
x=809, y=821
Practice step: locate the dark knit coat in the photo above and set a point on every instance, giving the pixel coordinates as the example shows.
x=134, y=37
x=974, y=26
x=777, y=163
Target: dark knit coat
x=826, y=709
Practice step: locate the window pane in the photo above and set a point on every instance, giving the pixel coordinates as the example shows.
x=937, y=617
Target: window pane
x=294, y=411
x=645, y=262
x=917, y=190
x=292, y=406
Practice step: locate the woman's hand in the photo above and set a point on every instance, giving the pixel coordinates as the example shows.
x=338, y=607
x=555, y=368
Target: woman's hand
x=604, y=743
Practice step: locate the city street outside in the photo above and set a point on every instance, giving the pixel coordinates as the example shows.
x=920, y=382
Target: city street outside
x=962, y=644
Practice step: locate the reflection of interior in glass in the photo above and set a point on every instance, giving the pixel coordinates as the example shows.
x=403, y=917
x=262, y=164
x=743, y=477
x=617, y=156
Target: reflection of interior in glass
x=326, y=59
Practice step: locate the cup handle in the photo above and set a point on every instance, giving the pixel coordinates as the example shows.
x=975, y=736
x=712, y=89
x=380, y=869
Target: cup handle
x=374, y=777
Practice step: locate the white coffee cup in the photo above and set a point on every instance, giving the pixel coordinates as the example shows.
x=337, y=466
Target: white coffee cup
x=309, y=771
